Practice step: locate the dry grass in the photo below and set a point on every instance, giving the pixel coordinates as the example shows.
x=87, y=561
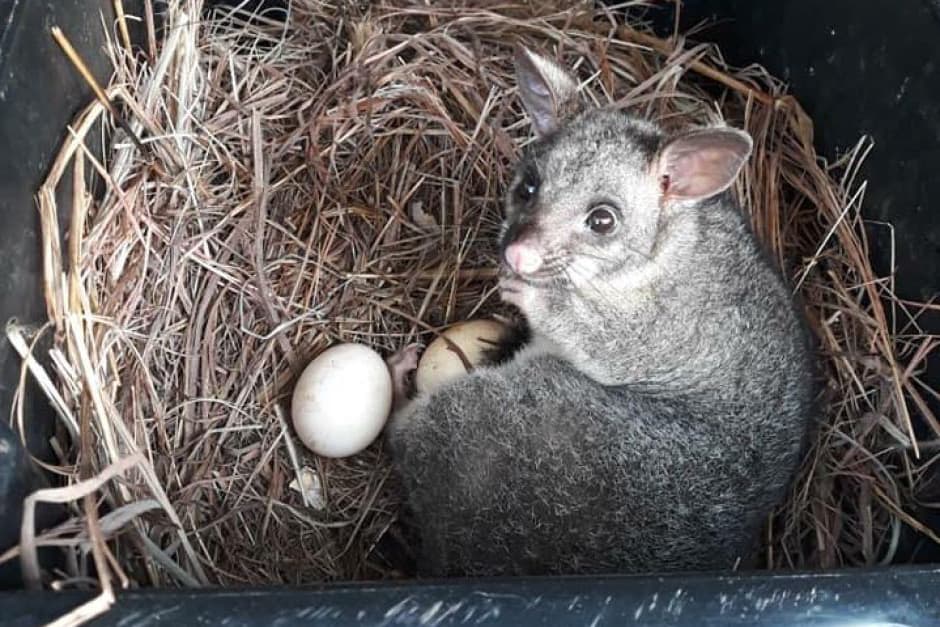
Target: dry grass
x=339, y=178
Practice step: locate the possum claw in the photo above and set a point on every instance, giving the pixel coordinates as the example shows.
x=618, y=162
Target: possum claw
x=400, y=365
x=511, y=291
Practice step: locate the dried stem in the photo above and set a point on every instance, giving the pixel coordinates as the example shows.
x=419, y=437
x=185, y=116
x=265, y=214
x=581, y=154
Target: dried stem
x=340, y=180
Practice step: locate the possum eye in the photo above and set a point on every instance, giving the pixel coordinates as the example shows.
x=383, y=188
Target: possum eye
x=527, y=188
x=602, y=220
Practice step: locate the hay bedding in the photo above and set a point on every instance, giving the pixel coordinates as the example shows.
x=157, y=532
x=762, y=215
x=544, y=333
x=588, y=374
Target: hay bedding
x=338, y=178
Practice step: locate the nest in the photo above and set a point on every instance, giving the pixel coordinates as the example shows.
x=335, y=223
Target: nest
x=282, y=185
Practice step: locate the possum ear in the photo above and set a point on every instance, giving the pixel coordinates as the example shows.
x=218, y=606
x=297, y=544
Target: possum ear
x=702, y=163
x=549, y=93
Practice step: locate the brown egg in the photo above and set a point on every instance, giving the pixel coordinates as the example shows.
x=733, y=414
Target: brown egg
x=441, y=363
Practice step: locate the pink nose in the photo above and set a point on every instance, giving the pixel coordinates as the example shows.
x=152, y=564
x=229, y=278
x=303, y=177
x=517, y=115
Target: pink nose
x=523, y=258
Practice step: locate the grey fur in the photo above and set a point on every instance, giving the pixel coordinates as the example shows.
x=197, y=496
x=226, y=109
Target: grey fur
x=658, y=414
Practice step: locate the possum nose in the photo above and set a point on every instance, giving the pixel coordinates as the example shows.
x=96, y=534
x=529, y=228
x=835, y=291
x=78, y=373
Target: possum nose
x=523, y=258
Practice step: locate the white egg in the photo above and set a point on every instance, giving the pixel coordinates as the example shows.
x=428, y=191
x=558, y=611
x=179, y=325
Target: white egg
x=342, y=400
x=440, y=364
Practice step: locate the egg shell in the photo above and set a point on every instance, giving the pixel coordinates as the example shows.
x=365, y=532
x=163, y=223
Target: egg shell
x=342, y=400
x=440, y=365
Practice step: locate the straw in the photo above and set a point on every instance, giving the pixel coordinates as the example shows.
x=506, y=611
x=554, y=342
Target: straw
x=338, y=178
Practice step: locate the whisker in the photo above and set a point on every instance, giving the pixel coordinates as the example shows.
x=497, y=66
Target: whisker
x=645, y=256
x=551, y=268
x=572, y=272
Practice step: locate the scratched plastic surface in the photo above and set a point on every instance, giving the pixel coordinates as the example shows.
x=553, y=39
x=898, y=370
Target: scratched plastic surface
x=900, y=596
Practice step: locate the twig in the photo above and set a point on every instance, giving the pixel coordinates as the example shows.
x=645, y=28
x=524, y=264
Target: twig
x=666, y=48
x=122, y=24
x=96, y=88
x=151, y=30
x=29, y=559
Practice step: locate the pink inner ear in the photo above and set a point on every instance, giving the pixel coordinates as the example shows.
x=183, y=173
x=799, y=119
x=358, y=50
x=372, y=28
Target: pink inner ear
x=700, y=165
x=698, y=174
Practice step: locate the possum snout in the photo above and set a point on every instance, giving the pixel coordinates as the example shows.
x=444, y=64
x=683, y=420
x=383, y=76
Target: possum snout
x=520, y=247
x=522, y=258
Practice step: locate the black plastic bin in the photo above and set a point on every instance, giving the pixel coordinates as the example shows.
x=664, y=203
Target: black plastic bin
x=857, y=67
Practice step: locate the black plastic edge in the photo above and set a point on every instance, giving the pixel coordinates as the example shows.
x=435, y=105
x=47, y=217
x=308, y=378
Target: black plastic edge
x=899, y=596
